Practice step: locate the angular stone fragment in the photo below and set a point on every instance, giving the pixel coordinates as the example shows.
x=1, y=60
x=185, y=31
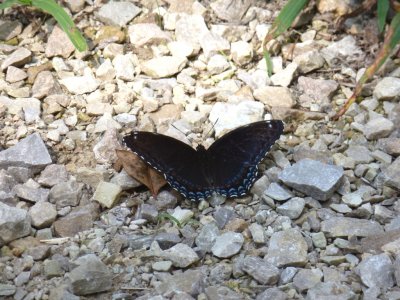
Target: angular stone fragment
x=261, y=270
x=31, y=153
x=313, y=178
x=90, y=276
x=373, y=265
x=287, y=248
x=343, y=227
x=14, y=223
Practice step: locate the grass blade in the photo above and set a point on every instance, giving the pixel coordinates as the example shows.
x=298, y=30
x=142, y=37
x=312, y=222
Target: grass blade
x=383, y=8
x=64, y=20
x=8, y=3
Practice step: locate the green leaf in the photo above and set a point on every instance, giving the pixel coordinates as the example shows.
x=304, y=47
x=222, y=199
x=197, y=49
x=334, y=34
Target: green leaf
x=64, y=20
x=383, y=8
x=164, y=215
x=268, y=62
x=8, y=3
x=395, y=24
x=287, y=15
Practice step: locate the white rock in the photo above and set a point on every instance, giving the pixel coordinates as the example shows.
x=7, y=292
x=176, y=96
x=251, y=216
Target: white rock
x=387, y=89
x=242, y=52
x=106, y=71
x=164, y=66
x=147, y=34
x=284, y=77
x=124, y=68
x=227, y=116
x=81, y=84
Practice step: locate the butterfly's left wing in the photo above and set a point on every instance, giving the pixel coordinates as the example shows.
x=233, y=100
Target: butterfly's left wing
x=179, y=163
x=233, y=159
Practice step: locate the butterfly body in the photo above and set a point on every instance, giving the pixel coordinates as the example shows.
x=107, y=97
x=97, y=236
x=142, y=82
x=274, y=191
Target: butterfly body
x=228, y=167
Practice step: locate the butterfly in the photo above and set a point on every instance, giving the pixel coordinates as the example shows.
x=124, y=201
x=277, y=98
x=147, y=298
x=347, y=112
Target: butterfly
x=228, y=167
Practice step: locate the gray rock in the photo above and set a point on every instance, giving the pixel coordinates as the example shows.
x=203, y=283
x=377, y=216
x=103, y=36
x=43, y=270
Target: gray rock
x=373, y=265
x=331, y=290
x=181, y=255
x=22, y=278
x=52, y=175
x=18, y=58
x=313, y=178
x=90, y=276
x=277, y=192
x=387, y=88
x=207, y=236
x=60, y=292
x=272, y=293
x=66, y=194
x=230, y=11
x=306, y=279
x=360, y=154
x=162, y=266
x=7, y=289
x=227, y=244
x=79, y=219
x=118, y=13
x=7, y=183
x=261, y=270
x=389, y=145
x=43, y=214
x=391, y=174
x=20, y=174
x=352, y=199
x=220, y=273
x=148, y=212
x=378, y=128
x=222, y=216
x=257, y=233
x=292, y=208
x=14, y=223
x=345, y=48
x=342, y=227
x=217, y=292
x=30, y=153
x=192, y=282
x=31, y=194
x=287, y=248
x=287, y=275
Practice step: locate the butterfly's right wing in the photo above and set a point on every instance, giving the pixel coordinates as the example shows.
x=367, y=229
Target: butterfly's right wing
x=177, y=161
x=234, y=157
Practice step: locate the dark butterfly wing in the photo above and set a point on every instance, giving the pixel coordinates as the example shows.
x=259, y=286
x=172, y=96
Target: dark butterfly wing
x=233, y=159
x=180, y=164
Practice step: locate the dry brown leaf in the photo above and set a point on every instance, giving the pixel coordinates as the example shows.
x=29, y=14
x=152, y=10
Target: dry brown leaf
x=138, y=169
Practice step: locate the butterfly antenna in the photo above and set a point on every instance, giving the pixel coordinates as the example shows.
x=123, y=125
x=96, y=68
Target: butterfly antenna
x=188, y=137
x=213, y=125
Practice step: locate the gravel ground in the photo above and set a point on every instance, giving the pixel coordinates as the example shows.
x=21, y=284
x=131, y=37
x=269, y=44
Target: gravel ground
x=322, y=220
